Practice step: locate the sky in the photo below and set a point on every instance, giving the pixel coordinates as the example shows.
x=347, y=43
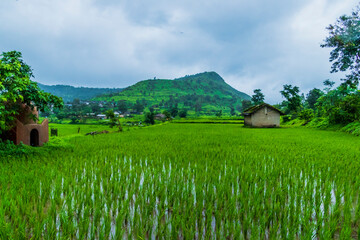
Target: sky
x=116, y=43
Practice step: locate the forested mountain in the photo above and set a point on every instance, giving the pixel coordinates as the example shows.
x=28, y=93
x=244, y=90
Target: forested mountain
x=69, y=93
x=207, y=92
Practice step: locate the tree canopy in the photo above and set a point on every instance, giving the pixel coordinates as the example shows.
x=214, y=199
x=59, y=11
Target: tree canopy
x=258, y=97
x=344, y=37
x=16, y=87
x=291, y=94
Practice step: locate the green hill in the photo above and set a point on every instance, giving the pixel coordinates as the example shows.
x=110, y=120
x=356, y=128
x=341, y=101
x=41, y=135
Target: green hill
x=69, y=93
x=206, y=92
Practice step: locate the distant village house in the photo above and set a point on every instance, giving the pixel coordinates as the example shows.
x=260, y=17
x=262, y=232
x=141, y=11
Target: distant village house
x=101, y=116
x=263, y=115
x=160, y=117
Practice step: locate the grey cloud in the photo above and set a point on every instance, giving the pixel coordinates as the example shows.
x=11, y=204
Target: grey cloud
x=252, y=44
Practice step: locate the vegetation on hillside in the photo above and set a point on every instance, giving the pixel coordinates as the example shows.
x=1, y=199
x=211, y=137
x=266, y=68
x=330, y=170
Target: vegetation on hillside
x=69, y=93
x=204, y=92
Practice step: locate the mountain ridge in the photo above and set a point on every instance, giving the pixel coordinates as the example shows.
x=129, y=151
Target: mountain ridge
x=206, y=91
x=69, y=93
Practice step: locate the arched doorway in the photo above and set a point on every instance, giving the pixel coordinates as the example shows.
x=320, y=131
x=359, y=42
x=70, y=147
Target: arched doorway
x=34, y=138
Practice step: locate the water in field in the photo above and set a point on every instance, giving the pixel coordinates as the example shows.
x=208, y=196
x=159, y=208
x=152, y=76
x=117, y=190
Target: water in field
x=144, y=191
x=170, y=182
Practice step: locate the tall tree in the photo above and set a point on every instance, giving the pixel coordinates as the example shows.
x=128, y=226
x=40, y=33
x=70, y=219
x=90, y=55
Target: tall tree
x=122, y=106
x=149, y=118
x=16, y=87
x=258, y=97
x=344, y=38
x=312, y=97
x=174, y=111
x=291, y=94
x=114, y=120
x=138, y=107
x=245, y=104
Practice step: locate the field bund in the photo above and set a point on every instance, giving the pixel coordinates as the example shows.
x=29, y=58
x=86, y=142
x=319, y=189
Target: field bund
x=186, y=181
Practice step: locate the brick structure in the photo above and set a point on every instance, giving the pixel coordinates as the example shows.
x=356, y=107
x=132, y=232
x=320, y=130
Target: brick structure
x=27, y=130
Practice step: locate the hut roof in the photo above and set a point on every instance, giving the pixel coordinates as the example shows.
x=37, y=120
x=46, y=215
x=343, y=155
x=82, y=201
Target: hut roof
x=254, y=109
x=160, y=115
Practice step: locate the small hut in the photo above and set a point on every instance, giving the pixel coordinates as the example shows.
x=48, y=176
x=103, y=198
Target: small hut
x=160, y=117
x=263, y=115
x=27, y=130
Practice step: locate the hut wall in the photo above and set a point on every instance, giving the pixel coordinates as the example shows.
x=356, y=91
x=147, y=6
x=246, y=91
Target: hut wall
x=247, y=120
x=265, y=117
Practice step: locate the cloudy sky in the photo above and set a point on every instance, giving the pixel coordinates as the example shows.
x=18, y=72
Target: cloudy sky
x=115, y=43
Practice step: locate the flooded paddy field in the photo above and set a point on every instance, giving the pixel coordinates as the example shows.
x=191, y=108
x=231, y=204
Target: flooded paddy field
x=186, y=181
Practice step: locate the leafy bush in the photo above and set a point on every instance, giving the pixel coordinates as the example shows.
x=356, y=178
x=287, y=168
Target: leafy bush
x=321, y=123
x=286, y=118
x=352, y=128
x=306, y=114
x=183, y=113
x=149, y=118
x=8, y=148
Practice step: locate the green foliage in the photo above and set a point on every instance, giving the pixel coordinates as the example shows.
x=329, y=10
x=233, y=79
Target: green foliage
x=344, y=38
x=183, y=113
x=245, y=105
x=319, y=122
x=71, y=130
x=258, y=97
x=167, y=114
x=306, y=114
x=350, y=107
x=149, y=118
x=138, y=106
x=16, y=87
x=114, y=120
x=328, y=85
x=232, y=111
x=219, y=113
x=74, y=120
x=291, y=94
x=204, y=93
x=174, y=111
x=122, y=106
x=69, y=93
x=352, y=128
x=286, y=118
x=340, y=105
x=8, y=148
x=312, y=97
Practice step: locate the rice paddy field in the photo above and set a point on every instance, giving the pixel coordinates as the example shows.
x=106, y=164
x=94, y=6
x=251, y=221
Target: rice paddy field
x=186, y=181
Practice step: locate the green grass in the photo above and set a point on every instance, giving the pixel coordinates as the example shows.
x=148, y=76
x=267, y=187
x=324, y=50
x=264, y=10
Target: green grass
x=186, y=181
x=72, y=129
x=218, y=121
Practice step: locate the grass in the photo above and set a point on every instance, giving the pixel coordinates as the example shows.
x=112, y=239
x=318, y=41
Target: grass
x=186, y=181
x=73, y=129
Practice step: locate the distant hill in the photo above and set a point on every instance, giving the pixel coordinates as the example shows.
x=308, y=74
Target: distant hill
x=69, y=93
x=207, y=92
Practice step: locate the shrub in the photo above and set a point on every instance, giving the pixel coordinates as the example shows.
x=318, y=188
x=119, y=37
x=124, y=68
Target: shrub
x=149, y=118
x=8, y=148
x=286, y=118
x=306, y=114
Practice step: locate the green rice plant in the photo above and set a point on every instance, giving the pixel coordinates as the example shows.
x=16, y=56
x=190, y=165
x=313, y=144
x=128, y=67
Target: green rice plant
x=186, y=181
